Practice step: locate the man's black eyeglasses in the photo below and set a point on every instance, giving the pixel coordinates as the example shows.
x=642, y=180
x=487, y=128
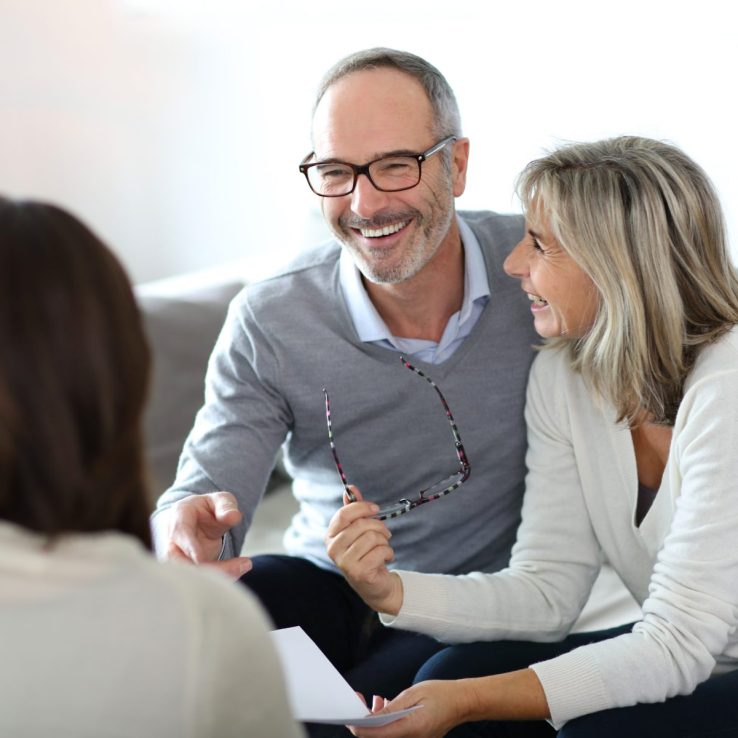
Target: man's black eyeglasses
x=392, y=173
x=440, y=489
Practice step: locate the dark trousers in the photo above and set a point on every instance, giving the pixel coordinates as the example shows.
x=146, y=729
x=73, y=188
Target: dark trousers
x=372, y=659
x=710, y=712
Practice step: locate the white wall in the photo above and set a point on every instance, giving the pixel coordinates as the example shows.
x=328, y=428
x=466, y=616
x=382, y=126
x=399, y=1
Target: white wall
x=174, y=127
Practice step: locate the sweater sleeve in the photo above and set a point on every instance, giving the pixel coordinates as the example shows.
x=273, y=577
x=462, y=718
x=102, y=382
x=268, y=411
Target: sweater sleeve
x=555, y=558
x=691, y=611
x=243, y=417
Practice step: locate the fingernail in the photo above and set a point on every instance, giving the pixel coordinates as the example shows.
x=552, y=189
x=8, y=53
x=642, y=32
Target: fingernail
x=374, y=508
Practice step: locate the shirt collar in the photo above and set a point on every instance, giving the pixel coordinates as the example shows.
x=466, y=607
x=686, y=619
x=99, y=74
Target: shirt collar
x=367, y=321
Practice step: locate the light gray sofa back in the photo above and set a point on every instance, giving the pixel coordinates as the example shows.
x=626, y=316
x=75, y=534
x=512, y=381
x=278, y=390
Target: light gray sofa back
x=182, y=326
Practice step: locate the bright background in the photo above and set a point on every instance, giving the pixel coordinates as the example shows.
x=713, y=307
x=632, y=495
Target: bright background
x=174, y=127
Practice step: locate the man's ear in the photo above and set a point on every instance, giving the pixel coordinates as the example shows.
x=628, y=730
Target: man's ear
x=459, y=164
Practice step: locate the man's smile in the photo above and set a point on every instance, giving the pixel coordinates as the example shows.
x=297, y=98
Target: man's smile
x=387, y=230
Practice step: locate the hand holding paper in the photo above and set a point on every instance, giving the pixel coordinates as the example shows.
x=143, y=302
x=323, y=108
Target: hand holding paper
x=317, y=692
x=440, y=713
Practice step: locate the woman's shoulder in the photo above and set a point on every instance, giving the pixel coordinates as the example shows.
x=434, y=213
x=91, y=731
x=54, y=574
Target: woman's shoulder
x=209, y=591
x=711, y=389
x=552, y=368
x=234, y=655
x=716, y=358
x=555, y=389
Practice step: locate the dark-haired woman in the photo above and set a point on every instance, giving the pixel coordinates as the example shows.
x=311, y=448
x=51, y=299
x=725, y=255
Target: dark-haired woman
x=96, y=637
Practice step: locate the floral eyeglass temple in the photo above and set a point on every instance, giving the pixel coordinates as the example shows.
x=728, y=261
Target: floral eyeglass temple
x=435, y=491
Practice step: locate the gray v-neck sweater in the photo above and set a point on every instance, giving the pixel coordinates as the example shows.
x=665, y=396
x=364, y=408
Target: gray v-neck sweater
x=289, y=336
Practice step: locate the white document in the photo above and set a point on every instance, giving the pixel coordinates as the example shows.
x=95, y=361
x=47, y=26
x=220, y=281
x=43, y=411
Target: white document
x=317, y=692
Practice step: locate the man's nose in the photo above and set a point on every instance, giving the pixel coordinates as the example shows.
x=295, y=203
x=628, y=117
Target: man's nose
x=366, y=199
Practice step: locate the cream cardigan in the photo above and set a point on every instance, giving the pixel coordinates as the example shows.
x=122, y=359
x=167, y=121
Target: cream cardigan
x=98, y=639
x=681, y=564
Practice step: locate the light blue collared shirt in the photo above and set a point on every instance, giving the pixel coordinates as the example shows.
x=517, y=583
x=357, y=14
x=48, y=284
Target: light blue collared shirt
x=372, y=329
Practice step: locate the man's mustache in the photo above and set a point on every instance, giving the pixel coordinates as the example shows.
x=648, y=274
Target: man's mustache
x=380, y=220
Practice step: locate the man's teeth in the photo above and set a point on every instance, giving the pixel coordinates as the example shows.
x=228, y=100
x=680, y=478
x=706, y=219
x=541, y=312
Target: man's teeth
x=384, y=231
x=536, y=299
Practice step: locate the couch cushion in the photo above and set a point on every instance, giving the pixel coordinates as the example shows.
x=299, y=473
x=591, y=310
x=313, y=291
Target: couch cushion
x=182, y=328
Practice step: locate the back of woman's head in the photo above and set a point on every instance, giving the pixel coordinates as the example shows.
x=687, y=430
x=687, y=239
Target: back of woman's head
x=643, y=220
x=74, y=368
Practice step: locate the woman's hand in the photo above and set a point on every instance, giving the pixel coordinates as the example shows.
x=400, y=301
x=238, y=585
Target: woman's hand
x=441, y=709
x=358, y=544
x=515, y=695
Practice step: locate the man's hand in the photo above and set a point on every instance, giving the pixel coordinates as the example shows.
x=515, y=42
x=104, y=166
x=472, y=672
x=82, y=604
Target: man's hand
x=358, y=544
x=194, y=528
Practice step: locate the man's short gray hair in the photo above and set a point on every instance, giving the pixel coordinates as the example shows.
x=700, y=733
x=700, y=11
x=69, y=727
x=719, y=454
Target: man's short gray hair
x=447, y=121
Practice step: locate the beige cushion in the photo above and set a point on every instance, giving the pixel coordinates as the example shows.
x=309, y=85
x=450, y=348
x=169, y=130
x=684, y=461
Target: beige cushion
x=182, y=328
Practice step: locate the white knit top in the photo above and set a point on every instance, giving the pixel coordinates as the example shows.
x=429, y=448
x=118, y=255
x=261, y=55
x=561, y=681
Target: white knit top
x=97, y=640
x=681, y=564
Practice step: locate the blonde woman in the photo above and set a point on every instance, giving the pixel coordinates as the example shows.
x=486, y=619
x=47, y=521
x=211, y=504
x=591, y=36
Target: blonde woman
x=632, y=414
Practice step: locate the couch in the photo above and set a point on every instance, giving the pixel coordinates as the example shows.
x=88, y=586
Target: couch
x=182, y=317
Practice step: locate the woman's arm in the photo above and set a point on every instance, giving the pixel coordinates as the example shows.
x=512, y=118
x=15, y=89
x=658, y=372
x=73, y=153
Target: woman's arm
x=556, y=557
x=443, y=705
x=358, y=544
x=554, y=561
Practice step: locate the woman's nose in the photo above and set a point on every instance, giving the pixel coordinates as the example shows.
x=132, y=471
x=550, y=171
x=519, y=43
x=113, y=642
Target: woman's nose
x=516, y=263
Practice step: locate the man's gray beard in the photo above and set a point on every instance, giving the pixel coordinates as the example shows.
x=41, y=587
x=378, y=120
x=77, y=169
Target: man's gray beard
x=391, y=275
x=411, y=265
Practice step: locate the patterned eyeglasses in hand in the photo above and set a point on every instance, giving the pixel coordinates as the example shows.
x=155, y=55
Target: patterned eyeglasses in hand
x=440, y=489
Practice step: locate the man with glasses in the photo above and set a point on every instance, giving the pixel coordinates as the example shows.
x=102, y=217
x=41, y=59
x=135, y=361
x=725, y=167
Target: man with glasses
x=408, y=290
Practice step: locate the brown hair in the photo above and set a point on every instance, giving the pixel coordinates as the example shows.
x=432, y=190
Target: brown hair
x=74, y=368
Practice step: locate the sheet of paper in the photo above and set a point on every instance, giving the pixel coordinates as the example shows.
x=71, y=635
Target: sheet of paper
x=316, y=690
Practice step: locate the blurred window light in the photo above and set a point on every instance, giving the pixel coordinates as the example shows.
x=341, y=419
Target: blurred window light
x=186, y=12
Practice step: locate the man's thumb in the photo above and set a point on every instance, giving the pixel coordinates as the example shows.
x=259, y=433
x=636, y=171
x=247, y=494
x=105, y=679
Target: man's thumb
x=234, y=568
x=224, y=505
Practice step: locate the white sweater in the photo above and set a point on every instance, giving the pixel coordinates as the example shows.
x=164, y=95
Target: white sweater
x=98, y=640
x=681, y=564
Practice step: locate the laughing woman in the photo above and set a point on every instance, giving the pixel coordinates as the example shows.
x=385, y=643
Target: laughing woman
x=632, y=415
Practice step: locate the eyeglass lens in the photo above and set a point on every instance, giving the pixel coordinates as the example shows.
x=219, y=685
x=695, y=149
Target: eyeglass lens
x=390, y=174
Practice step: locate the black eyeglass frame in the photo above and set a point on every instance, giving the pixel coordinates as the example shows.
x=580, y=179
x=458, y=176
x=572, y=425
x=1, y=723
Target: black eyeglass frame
x=406, y=505
x=358, y=169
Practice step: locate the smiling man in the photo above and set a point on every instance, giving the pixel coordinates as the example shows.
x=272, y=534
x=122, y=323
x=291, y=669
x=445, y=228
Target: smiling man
x=407, y=284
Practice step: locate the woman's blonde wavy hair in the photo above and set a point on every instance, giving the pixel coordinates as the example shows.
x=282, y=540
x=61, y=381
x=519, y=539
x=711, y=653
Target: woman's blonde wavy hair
x=644, y=222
